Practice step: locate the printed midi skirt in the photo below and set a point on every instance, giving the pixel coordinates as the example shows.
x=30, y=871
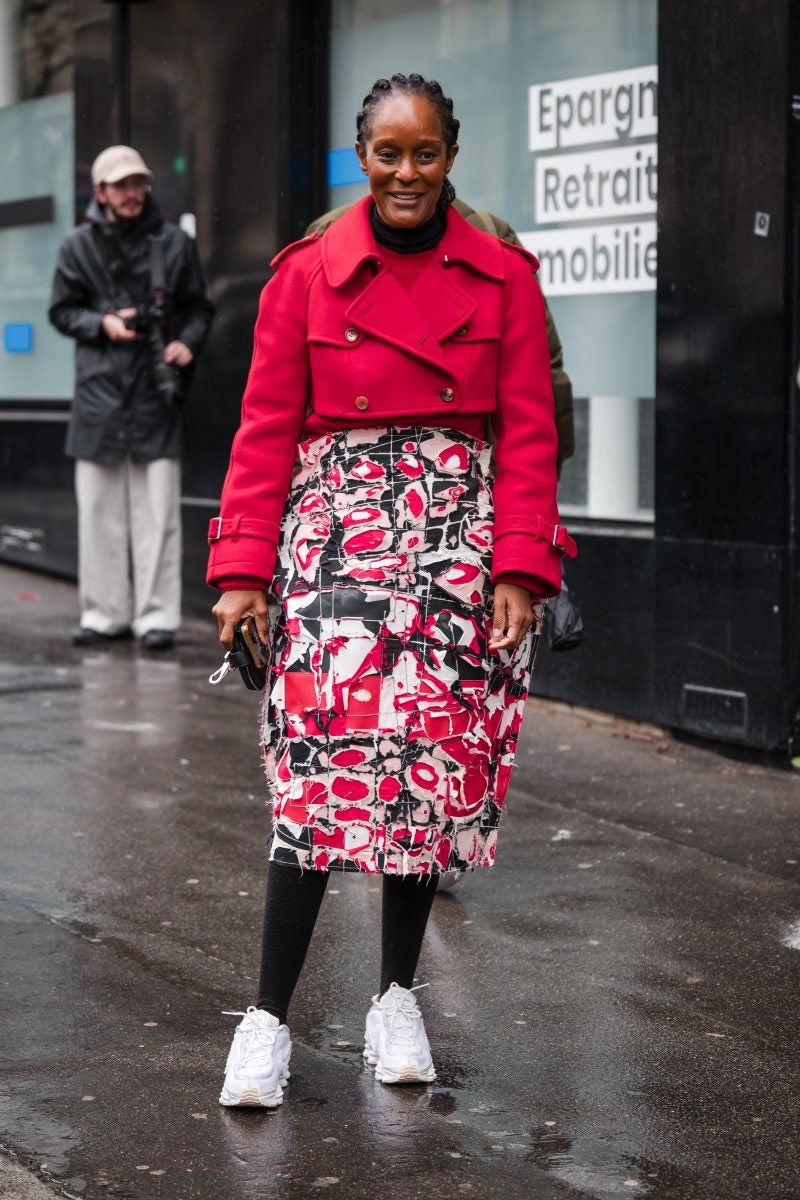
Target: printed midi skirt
x=389, y=730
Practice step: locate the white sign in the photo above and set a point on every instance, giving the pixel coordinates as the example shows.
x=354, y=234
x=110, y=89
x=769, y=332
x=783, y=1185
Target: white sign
x=761, y=225
x=603, y=196
x=595, y=258
x=594, y=108
x=597, y=183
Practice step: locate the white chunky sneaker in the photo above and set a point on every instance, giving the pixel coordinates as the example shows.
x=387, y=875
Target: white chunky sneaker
x=258, y=1061
x=395, y=1042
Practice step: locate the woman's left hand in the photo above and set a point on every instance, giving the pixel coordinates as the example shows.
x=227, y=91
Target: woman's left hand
x=513, y=616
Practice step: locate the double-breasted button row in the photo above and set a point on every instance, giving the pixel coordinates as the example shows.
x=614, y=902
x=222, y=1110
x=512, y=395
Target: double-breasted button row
x=352, y=335
x=446, y=394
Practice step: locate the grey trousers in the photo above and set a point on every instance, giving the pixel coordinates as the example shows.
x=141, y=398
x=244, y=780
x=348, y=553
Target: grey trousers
x=129, y=545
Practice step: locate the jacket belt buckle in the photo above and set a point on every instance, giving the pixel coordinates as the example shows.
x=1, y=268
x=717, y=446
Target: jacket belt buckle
x=214, y=537
x=556, y=531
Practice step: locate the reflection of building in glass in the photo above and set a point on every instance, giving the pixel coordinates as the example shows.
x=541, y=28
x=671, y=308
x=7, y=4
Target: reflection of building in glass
x=560, y=142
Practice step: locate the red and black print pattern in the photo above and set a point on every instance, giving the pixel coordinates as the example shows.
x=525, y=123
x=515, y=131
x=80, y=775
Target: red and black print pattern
x=389, y=729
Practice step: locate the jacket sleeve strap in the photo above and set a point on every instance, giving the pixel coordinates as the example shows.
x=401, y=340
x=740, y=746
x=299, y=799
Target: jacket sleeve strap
x=542, y=531
x=239, y=526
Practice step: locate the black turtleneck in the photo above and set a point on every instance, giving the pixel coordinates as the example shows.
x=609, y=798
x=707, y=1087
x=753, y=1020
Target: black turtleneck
x=408, y=241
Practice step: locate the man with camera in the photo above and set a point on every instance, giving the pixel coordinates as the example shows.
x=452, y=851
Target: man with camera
x=129, y=288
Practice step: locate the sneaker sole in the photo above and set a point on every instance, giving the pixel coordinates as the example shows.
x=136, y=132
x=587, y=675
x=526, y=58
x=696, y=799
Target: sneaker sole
x=407, y=1075
x=252, y=1097
x=251, y=1100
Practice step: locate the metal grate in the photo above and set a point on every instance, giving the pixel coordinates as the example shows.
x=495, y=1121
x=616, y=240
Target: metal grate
x=714, y=710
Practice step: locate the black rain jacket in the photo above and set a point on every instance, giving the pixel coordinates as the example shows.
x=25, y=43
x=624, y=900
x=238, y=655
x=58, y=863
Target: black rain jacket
x=105, y=265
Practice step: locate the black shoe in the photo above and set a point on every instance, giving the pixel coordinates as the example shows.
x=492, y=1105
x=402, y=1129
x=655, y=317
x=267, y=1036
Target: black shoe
x=92, y=637
x=158, y=639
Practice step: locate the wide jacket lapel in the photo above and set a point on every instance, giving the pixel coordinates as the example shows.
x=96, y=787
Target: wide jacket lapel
x=442, y=304
x=415, y=322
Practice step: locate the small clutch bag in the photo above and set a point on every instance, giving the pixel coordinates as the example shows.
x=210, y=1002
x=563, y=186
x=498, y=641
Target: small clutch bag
x=249, y=656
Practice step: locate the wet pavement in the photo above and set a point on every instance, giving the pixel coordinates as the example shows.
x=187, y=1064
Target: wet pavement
x=613, y=1010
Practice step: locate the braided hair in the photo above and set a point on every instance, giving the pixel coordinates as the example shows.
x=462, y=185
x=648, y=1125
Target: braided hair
x=414, y=85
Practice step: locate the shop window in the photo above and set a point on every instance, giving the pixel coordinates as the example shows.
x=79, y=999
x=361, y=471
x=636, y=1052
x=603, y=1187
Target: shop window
x=36, y=195
x=558, y=104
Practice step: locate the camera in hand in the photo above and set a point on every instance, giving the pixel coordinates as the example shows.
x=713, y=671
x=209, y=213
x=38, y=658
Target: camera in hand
x=149, y=321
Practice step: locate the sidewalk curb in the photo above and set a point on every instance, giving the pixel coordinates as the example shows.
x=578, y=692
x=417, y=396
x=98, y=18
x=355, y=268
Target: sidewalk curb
x=21, y=1183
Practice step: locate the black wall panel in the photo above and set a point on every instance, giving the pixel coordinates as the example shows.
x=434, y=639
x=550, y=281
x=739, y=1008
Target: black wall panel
x=722, y=381
x=38, y=518
x=720, y=664
x=611, y=580
x=725, y=397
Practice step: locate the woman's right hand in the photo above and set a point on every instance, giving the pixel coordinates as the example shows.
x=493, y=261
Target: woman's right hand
x=234, y=606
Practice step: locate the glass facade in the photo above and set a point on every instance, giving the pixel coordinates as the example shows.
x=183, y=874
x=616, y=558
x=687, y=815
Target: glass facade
x=37, y=149
x=36, y=193
x=558, y=104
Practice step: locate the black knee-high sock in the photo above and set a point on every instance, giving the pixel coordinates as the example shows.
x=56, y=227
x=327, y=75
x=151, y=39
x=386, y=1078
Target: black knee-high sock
x=407, y=904
x=293, y=902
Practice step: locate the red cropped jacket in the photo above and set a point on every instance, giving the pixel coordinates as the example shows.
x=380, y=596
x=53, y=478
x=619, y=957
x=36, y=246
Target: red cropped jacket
x=340, y=343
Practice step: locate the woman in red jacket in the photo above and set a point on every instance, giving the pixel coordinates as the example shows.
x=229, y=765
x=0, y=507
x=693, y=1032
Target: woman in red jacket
x=406, y=556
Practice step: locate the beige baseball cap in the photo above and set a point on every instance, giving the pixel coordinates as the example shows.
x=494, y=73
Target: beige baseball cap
x=118, y=162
